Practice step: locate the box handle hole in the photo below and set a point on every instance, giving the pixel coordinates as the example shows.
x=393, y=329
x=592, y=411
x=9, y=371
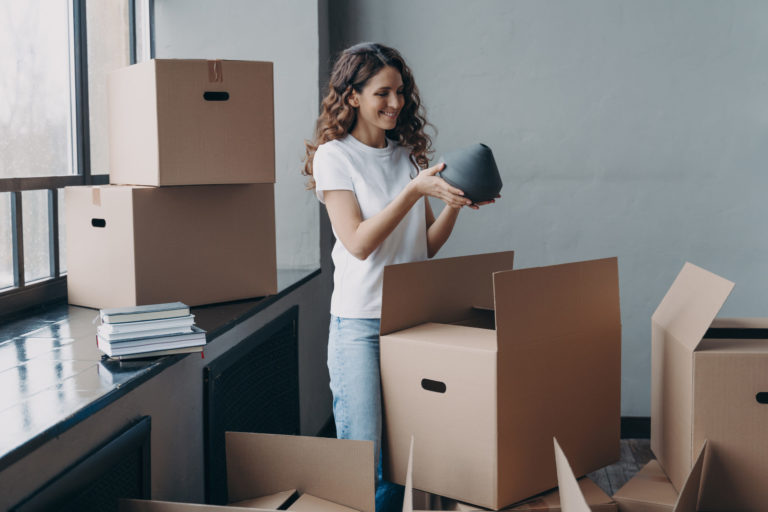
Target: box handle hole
x=216, y=95
x=762, y=398
x=433, y=385
x=98, y=223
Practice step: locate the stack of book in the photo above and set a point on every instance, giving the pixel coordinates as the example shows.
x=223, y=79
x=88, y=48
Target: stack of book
x=147, y=331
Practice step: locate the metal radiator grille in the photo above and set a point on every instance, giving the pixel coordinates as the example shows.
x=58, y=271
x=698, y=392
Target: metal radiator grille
x=254, y=387
x=117, y=469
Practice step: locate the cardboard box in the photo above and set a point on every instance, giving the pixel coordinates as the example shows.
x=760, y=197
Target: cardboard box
x=573, y=499
x=704, y=388
x=651, y=491
x=597, y=500
x=483, y=396
x=144, y=245
x=336, y=470
x=648, y=491
x=329, y=475
x=191, y=122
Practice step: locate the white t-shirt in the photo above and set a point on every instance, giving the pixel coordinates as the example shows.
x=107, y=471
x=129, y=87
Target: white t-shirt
x=376, y=176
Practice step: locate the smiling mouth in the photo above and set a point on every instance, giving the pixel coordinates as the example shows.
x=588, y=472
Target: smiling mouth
x=389, y=115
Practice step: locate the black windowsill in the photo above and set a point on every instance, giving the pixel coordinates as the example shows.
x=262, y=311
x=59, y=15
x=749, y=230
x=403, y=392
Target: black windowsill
x=52, y=376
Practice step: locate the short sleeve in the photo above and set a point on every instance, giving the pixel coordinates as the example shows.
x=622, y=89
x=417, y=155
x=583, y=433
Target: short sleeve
x=331, y=170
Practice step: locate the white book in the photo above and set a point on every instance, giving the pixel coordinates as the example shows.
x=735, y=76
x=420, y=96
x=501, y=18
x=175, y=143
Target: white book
x=119, y=350
x=157, y=353
x=145, y=312
x=148, y=326
x=196, y=335
x=154, y=333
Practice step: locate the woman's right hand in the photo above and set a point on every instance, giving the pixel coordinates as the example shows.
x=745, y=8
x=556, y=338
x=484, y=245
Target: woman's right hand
x=428, y=184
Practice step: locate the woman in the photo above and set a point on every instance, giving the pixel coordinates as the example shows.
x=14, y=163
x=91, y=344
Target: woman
x=364, y=164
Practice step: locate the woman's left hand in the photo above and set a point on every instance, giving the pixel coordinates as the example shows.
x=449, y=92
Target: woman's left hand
x=476, y=206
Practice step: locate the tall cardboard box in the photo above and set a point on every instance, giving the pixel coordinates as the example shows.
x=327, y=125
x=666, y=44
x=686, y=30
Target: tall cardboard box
x=484, y=396
x=707, y=388
x=191, y=122
x=137, y=245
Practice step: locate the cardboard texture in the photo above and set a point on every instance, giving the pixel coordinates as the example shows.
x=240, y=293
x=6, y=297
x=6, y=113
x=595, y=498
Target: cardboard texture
x=648, y=491
x=570, y=495
x=336, y=470
x=271, y=502
x=309, y=503
x=131, y=505
x=462, y=390
x=709, y=389
x=596, y=499
x=130, y=246
x=163, y=130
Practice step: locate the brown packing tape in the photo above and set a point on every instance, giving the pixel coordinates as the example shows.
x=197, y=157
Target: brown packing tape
x=215, y=71
x=96, y=196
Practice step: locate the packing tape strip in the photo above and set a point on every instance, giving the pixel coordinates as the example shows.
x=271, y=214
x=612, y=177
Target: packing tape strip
x=215, y=71
x=96, y=196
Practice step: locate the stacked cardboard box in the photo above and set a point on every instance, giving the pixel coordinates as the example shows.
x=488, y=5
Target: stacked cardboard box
x=708, y=379
x=190, y=212
x=484, y=365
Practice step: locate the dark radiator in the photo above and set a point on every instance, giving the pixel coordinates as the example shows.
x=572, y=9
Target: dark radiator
x=254, y=387
x=117, y=469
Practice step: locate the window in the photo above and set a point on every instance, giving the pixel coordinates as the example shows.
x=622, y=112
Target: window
x=53, y=129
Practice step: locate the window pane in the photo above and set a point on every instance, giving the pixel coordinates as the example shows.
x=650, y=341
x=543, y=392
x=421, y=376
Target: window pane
x=108, y=49
x=35, y=129
x=62, y=234
x=6, y=241
x=143, y=35
x=37, y=260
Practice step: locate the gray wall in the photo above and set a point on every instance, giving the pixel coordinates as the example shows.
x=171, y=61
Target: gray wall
x=622, y=128
x=285, y=33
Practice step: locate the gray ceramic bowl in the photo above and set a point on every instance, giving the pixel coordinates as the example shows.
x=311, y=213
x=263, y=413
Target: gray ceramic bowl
x=473, y=170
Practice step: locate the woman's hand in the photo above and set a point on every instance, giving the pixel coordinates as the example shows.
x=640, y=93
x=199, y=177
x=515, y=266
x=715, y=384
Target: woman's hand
x=427, y=184
x=476, y=206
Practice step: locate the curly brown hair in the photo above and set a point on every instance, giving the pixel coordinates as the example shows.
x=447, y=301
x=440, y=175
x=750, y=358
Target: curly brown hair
x=353, y=69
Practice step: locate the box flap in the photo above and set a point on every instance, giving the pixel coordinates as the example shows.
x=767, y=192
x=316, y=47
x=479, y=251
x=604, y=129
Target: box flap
x=690, y=305
x=571, y=499
x=408, y=495
x=677, y=327
x=689, y=495
x=309, y=503
x=594, y=496
x=442, y=290
x=559, y=336
x=649, y=485
x=133, y=505
x=338, y=470
x=270, y=502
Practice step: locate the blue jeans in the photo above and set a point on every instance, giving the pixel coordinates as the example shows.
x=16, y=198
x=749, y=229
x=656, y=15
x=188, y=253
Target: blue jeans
x=353, y=365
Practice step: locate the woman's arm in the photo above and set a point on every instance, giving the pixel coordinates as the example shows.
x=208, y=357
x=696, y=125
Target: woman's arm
x=361, y=237
x=438, y=230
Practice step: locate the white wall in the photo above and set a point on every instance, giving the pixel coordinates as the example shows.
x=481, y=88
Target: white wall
x=626, y=128
x=285, y=33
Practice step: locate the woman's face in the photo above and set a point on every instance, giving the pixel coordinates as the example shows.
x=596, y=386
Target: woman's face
x=380, y=101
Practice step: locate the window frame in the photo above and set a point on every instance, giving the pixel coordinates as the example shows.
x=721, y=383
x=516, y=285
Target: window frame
x=25, y=296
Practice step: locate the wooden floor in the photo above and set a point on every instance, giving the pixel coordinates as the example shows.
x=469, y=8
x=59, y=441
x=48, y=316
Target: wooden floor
x=635, y=453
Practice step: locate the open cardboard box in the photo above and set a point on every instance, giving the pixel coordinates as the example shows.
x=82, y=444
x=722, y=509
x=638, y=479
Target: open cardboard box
x=709, y=388
x=131, y=245
x=191, y=122
x=573, y=500
x=266, y=470
x=485, y=393
x=417, y=500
